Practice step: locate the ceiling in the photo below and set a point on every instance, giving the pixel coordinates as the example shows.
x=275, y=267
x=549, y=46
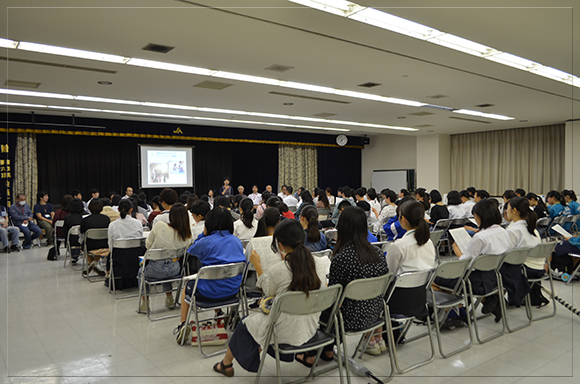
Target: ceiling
x=247, y=36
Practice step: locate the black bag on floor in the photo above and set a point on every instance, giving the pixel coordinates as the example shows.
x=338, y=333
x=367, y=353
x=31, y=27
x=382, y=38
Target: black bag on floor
x=51, y=254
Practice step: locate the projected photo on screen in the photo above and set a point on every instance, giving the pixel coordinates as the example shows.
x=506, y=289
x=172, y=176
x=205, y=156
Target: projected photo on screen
x=166, y=166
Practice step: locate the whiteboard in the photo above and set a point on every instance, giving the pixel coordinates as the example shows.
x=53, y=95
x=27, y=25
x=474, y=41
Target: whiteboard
x=394, y=180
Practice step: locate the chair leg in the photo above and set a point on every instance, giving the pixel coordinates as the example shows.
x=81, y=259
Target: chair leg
x=528, y=315
x=552, y=296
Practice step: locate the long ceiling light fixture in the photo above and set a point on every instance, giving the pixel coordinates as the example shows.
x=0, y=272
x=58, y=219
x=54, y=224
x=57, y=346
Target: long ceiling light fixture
x=165, y=116
x=82, y=54
x=406, y=27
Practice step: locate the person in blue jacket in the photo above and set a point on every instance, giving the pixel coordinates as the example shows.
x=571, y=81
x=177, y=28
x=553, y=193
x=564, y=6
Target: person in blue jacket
x=393, y=227
x=571, y=201
x=557, y=204
x=215, y=246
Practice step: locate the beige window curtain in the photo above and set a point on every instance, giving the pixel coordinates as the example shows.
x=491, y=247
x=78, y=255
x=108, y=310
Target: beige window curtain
x=26, y=167
x=298, y=166
x=528, y=158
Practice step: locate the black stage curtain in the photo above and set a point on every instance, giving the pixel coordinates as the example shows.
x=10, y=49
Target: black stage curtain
x=110, y=164
x=338, y=167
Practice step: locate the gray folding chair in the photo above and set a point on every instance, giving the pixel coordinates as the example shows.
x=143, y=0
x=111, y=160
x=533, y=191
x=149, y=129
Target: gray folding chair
x=297, y=303
x=323, y=253
x=543, y=251
x=212, y=272
x=515, y=257
x=485, y=263
x=59, y=224
x=93, y=234
x=131, y=246
x=73, y=231
x=443, y=225
x=403, y=284
x=147, y=283
x=331, y=234
x=574, y=220
x=249, y=294
x=383, y=245
x=573, y=274
x=556, y=220
x=542, y=226
x=442, y=301
x=436, y=239
x=363, y=289
x=323, y=213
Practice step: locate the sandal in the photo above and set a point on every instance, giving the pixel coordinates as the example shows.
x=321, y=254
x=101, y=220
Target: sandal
x=303, y=361
x=223, y=368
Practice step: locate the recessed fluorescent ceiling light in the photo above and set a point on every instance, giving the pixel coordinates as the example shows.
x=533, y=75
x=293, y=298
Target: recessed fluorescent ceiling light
x=482, y=114
x=199, y=109
x=146, y=114
x=397, y=24
x=6, y=43
x=27, y=46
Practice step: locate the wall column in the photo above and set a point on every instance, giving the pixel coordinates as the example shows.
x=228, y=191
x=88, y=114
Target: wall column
x=434, y=162
x=571, y=157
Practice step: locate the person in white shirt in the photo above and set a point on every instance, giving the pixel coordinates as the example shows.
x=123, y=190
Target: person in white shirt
x=289, y=199
x=167, y=198
x=125, y=226
x=454, y=207
x=255, y=196
x=246, y=226
x=331, y=199
x=466, y=203
x=371, y=197
x=128, y=192
x=283, y=192
x=389, y=210
x=523, y=234
x=492, y=239
x=199, y=210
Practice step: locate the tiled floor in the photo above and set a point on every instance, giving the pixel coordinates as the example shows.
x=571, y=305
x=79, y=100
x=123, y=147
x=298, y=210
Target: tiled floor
x=59, y=328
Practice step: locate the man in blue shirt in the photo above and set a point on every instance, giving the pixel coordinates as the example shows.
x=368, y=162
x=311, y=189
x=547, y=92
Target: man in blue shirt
x=5, y=229
x=21, y=215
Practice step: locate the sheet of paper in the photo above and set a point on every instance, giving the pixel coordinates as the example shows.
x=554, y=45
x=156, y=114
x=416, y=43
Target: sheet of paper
x=472, y=221
x=461, y=238
x=262, y=245
x=558, y=228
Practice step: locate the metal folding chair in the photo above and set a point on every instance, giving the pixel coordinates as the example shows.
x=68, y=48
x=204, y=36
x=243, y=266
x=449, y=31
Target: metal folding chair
x=93, y=234
x=542, y=225
x=435, y=239
x=59, y=224
x=146, y=283
x=404, y=282
x=133, y=248
x=515, y=257
x=442, y=301
x=574, y=220
x=247, y=295
x=485, y=263
x=323, y=213
x=557, y=220
x=543, y=251
x=73, y=231
x=297, y=303
x=323, y=253
x=443, y=225
x=212, y=272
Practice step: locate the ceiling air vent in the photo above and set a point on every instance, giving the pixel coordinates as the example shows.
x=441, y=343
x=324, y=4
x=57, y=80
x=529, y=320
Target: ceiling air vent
x=369, y=84
x=308, y=97
x=279, y=68
x=485, y=105
x=212, y=85
x=58, y=65
x=324, y=114
x=438, y=96
x=424, y=126
x=157, y=48
x=21, y=84
x=421, y=113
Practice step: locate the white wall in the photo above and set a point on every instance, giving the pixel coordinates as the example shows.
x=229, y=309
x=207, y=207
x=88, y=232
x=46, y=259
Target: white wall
x=388, y=152
x=572, y=158
x=434, y=162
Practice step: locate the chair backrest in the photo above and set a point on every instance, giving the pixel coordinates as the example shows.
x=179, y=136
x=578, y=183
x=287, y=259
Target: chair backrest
x=297, y=303
x=442, y=224
x=453, y=269
x=59, y=224
x=543, y=222
x=436, y=236
x=125, y=243
x=245, y=242
x=559, y=220
x=75, y=230
x=410, y=280
x=367, y=289
x=164, y=254
x=97, y=234
x=486, y=262
x=323, y=253
x=292, y=209
x=460, y=221
x=331, y=234
x=383, y=245
x=516, y=256
x=221, y=272
x=323, y=211
x=542, y=250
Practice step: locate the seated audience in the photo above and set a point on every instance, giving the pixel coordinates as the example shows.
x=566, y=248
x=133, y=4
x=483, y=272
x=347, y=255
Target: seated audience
x=466, y=203
x=454, y=207
x=76, y=194
x=298, y=272
x=135, y=212
x=288, y=198
x=175, y=235
x=22, y=218
x=480, y=194
x=44, y=213
x=263, y=204
x=557, y=203
x=6, y=229
x=388, y=210
x=59, y=215
x=95, y=248
x=255, y=196
x=157, y=209
x=439, y=210
x=199, y=211
x=108, y=209
x=315, y=241
x=124, y=227
x=167, y=198
x=330, y=197
x=305, y=200
x=322, y=201
x=74, y=218
x=224, y=202
x=215, y=246
x=359, y=196
x=393, y=227
x=246, y=226
x=538, y=205
x=520, y=192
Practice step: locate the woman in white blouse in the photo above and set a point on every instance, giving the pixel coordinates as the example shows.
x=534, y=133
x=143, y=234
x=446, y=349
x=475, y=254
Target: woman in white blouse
x=125, y=226
x=492, y=239
x=300, y=272
x=523, y=234
x=454, y=207
x=245, y=227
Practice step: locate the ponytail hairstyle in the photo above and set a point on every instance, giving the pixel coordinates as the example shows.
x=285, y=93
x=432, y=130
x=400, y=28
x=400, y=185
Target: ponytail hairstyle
x=557, y=196
x=306, y=197
x=179, y=220
x=414, y=213
x=353, y=229
x=311, y=215
x=522, y=205
x=124, y=207
x=570, y=193
x=276, y=202
x=421, y=193
x=134, y=205
x=246, y=206
x=290, y=234
x=270, y=218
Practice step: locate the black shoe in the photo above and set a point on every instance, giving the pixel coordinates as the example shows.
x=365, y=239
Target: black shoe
x=6, y=249
x=15, y=248
x=107, y=283
x=497, y=313
x=490, y=304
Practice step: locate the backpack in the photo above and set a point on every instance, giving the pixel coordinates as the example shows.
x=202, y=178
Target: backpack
x=51, y=254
